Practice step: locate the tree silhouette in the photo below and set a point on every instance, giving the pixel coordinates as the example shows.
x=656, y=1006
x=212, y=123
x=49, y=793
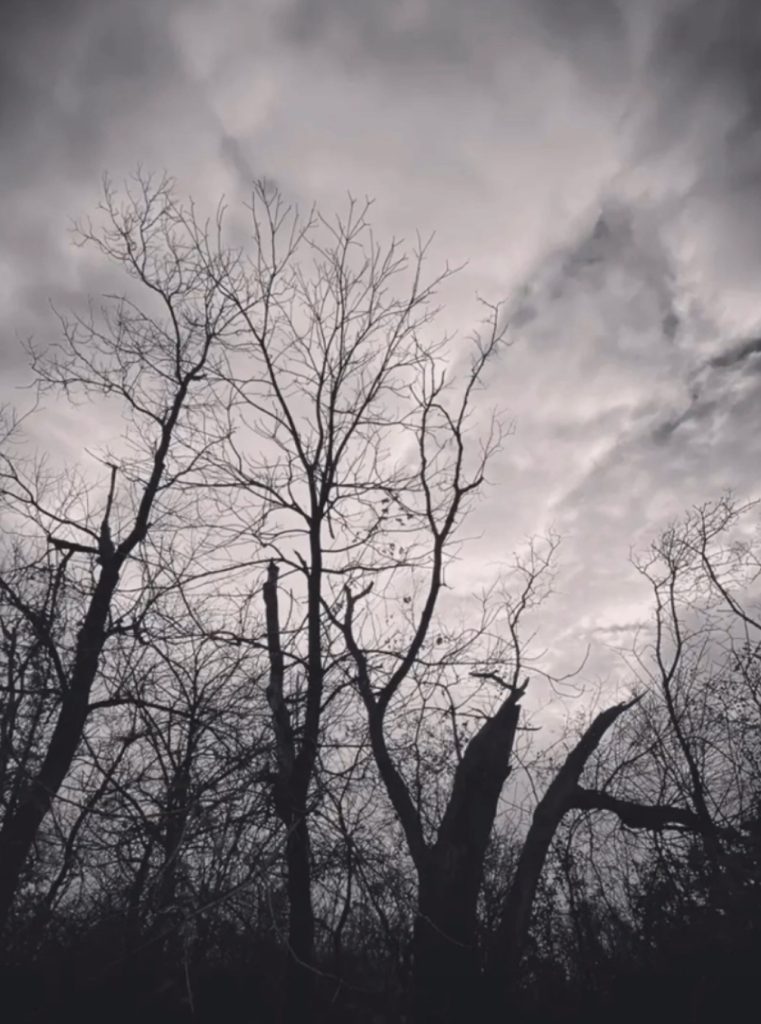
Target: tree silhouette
x=255, y=733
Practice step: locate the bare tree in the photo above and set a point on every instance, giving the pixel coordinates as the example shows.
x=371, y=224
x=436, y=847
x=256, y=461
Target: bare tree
x=149, y=364
x=701, y=664
x=682, y=766
x=279, y=533
x=349, y=464
x=327, y=373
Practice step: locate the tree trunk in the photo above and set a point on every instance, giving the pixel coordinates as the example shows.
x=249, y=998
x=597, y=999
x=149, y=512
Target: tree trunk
x=20, y=829
x=447, y=982
x=446, y=957
x=559, y=798
x=299, y=976
x=291, y=787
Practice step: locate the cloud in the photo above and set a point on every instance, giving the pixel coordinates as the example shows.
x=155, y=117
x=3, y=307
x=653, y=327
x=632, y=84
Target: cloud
x=597, y=163
x=699, y=128
x=414, y=35
x=737, y=354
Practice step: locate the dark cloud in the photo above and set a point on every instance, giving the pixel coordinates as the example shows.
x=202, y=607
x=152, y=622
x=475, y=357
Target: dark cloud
x=474, y=38
x=83, y=83
x=70, y=70
x=710, y=46
x=618, y=266
x=737, y=354
x=699, y=409
x=670, y=324
x=711, y=49
x=704, y=79
x=594, y=33
x=399, y=32
x=618, y=628
x=35, y=35
x=234, y=154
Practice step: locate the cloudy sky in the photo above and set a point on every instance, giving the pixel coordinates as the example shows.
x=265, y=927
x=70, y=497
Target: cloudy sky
x=597, y=163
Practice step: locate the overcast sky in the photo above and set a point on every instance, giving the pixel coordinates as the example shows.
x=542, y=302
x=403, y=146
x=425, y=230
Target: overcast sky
x=597, y=163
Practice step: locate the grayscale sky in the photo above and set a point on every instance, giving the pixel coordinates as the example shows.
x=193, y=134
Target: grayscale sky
x=597, y=163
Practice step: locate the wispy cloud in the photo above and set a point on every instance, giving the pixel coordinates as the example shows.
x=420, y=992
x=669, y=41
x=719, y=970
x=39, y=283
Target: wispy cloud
x=597, y=163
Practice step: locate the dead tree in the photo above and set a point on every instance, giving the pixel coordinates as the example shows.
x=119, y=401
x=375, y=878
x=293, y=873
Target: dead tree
x=152, y=362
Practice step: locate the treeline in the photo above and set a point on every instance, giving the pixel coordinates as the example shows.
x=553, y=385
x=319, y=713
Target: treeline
x=262, y=756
